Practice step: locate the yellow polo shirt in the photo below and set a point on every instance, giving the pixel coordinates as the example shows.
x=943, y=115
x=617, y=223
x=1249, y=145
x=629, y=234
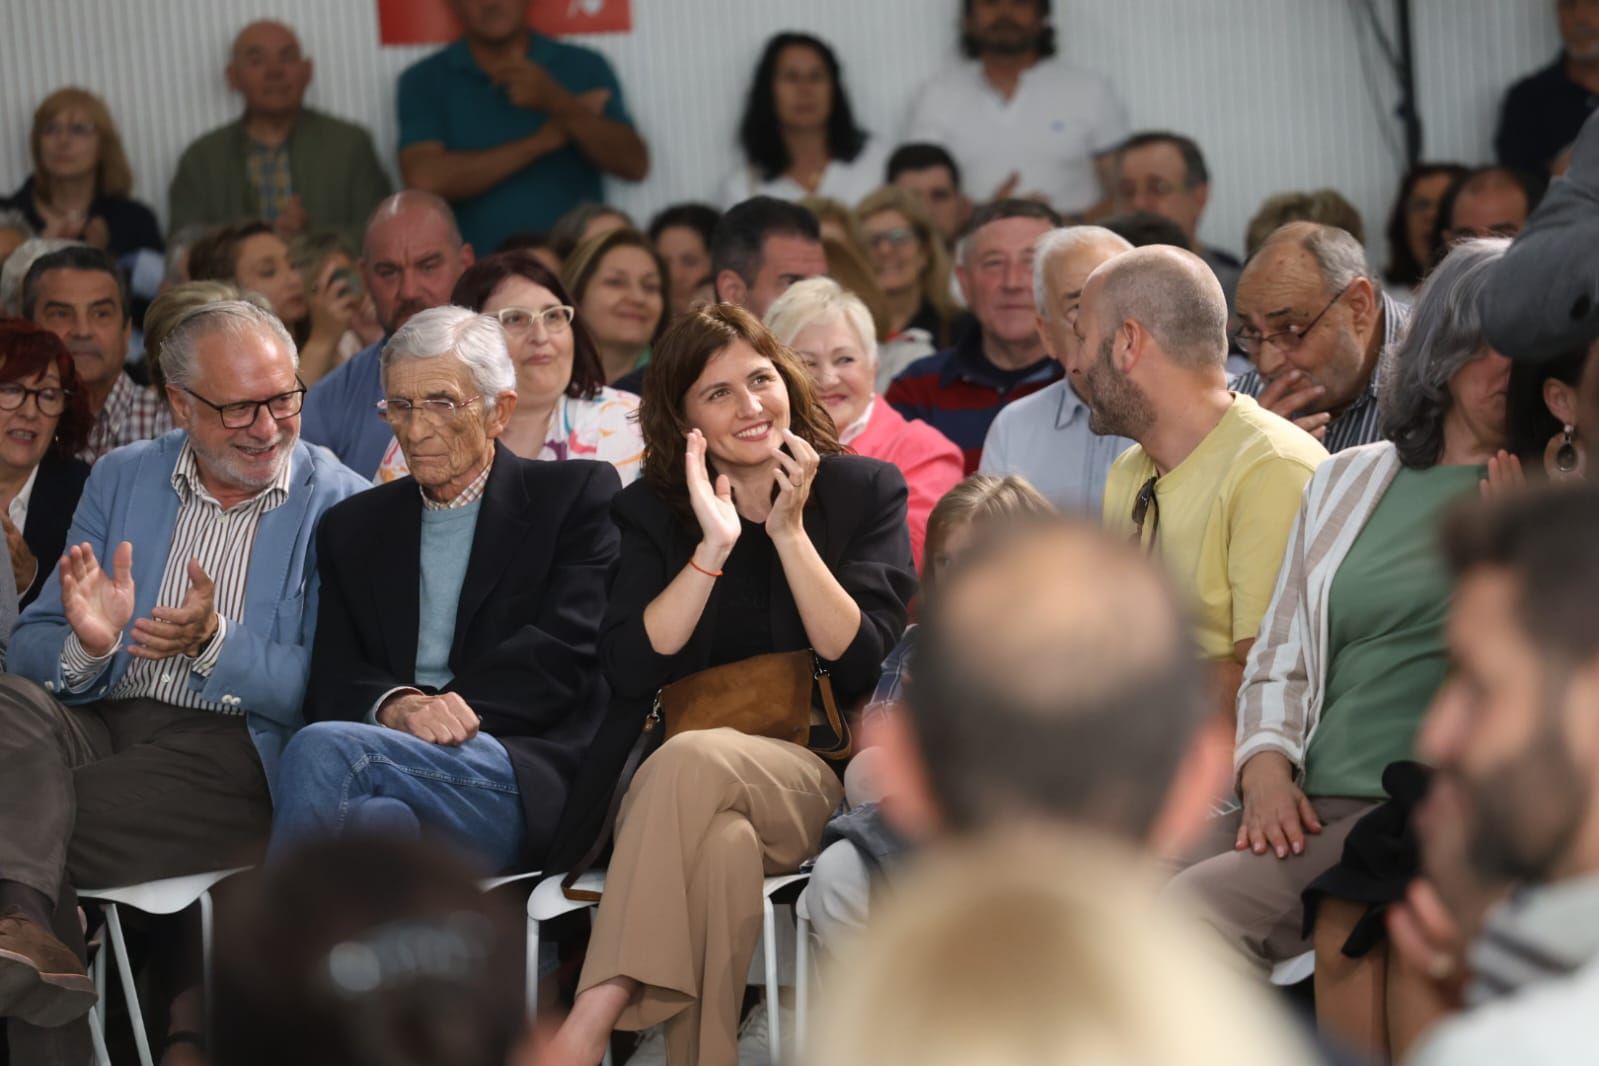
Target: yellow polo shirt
x=1225, y=515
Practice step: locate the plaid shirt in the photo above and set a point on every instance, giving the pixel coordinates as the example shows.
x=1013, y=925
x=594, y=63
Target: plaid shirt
x=269, y=173
x=466, y=497
x=1360, y=421
x=132, y=412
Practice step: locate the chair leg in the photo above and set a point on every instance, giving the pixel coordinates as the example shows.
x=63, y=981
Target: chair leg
x=532, y=973
x=207, y=920
x=774, y=1041
x=802, y=979
x=141, y=1039
x=102, y=1057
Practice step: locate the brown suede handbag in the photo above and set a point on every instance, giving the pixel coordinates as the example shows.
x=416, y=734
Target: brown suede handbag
x=763, y=696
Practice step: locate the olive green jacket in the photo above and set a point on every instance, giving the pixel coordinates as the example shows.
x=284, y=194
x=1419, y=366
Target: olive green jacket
x=334, y=167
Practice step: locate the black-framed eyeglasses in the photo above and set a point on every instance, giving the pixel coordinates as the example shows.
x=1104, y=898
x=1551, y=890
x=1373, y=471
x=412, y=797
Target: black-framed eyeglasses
x=50, y=401
x=436, y=409
x=242, y=415
x=1285, y=340
x=1146, y=506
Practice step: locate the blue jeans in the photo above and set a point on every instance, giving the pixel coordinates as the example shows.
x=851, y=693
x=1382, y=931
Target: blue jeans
x=350, y=777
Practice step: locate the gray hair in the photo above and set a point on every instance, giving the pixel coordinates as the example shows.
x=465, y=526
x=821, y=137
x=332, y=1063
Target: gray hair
x=17, y=265
x=477, y=340
x=179, y=365
x=1065, y=241
x=1340, y=258
x=1444, y=334
x=1174, y=295
x=814, y=300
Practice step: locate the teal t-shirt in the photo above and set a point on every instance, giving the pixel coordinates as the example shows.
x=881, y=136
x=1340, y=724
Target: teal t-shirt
x=446, y=549
x=448, y=98
x=1385, y=635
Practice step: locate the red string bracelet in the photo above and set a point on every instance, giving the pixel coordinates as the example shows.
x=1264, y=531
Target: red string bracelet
x=701, y=569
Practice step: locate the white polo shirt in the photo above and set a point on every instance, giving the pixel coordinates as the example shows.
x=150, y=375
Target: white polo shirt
x=1049, y=132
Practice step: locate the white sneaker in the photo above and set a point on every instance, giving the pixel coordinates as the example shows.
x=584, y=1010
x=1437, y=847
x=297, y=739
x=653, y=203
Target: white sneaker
x=754, y=1036
x=651, y=1050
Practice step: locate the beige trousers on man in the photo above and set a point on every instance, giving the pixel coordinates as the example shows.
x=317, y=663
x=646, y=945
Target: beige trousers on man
x=706, y=818
x=1252, y=900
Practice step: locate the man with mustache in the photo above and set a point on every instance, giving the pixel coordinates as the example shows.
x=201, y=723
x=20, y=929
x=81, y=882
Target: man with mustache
x=158, y=677
x=1020, y=122
x=411, y=258
x=78, y=294
x=1514, y=739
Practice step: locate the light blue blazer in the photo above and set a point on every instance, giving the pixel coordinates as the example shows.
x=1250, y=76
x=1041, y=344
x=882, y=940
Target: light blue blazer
x=264, y=662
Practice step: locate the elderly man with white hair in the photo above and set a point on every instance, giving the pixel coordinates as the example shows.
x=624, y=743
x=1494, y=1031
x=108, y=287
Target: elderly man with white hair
x=158, y=676
x=1046, y=437
x=454, y=686
x=831, y=331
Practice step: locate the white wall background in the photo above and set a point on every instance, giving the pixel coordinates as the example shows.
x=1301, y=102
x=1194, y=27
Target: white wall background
x=1274, y=90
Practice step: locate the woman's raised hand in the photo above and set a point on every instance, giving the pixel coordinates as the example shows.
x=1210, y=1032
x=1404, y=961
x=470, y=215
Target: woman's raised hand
x=713, y=507
x=794, y=473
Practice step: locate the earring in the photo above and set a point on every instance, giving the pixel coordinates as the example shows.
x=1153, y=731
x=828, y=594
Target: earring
x=1566, y=457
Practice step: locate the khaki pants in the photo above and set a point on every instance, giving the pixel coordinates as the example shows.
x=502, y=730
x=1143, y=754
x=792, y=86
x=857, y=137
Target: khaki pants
x=1252, y=900
x=114, y=793
x=705, y=819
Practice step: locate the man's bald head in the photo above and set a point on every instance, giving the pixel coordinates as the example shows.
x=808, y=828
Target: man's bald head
x=1054, y=678
x=1171, y=293
x=267, y=68
x=412, y=255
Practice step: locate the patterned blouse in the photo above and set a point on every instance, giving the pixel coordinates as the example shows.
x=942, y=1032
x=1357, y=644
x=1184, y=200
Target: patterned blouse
x=603, y=428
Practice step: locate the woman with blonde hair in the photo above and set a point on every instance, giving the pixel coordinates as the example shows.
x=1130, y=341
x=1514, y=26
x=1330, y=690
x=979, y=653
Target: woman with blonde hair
x=618, y=283
x=831, y=330
x=912, y=266
x=81, y=186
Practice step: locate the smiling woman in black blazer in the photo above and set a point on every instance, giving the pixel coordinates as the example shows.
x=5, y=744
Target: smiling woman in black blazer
x=751, y=532
x=44, y=420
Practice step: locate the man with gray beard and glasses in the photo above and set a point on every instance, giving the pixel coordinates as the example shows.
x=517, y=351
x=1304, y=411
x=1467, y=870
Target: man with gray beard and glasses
x=151, y=695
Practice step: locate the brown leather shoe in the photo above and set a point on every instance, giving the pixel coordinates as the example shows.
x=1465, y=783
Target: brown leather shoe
x=41, y=980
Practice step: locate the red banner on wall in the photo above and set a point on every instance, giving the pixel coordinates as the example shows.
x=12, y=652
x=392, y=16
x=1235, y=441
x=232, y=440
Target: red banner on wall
x=432, y=21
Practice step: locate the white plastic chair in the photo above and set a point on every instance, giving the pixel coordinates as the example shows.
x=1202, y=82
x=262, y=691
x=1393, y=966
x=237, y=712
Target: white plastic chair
x=532, y=971
x=802, y=970
x=1290, y=972
x=548, y=902
x=166, y=896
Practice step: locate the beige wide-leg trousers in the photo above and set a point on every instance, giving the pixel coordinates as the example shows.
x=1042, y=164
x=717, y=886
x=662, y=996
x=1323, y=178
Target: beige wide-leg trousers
x=707, y=817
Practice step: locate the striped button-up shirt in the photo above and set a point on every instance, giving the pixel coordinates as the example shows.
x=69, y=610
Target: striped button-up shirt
x=131, y=412
x=222, y=541
x=1359, y=423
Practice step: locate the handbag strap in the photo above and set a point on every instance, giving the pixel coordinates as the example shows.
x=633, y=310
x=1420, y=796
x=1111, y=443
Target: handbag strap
x=835, y=721
x=607, y=828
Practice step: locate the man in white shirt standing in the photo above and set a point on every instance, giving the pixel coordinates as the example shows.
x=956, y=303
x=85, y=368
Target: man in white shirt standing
x=1020, y=122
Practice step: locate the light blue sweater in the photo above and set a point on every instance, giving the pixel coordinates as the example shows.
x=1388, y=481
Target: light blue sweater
x=446, y=548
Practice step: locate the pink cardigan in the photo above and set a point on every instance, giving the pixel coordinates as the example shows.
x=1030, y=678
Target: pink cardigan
x=930, y=461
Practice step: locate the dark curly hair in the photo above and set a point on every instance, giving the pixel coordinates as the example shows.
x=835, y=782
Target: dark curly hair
x=27, y=350
x=677, y=362
x=478, y=282
x=758, y=131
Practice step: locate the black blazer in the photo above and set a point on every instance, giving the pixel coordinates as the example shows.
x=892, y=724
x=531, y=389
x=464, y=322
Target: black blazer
x=856, y=520
x=55, y=497
x=530, y=609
